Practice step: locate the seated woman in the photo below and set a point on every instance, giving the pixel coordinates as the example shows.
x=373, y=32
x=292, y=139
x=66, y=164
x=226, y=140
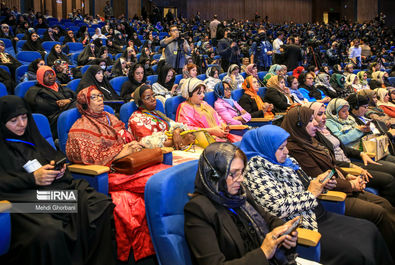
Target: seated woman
x=377, y=80
x=120, y=68
x=218, y=217
x=104, y=55
x=252, y=102
x=49, y=98
x=33, y=43
x=149, y=126
x=384, y=102
x=69, y=37
x=130, y=56
x=98, y=34
x=315, y=159
x=190, y=70
x=322, y=83
x=197, y=114
x=363, y=79
x=278, y=94
x=275, y=69
x=31, y=73
x=352, y=83
x=165, y=87
x=338, y=82
x=212, y=79
x=89, y=55
x=309, y=91
x=228, y=109
x=56, y=54
x=94, y=77
x=252, y=69
x=348, y=69
x=99, y=138
x=294, y=89
x=383, y=172
x=281, y=187
x=373, y=111
x=136, y=78
x=233, y=77
x=47, y=238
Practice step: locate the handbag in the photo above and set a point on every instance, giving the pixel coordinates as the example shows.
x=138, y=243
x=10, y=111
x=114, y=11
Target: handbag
x=137, y=161
x=376, y=144
x=203, y=138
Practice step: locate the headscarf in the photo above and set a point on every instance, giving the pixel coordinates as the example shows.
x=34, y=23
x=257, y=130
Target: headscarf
x=219, y=92
x=369, y=93
x=95, y=138
x=89, y=79
x=189, y=86
x=322, y=79
x=313, y=91
x=361, y=80
x=333, y=108
x=33, y=66
x=162, y=74
x=138, y=93
x=272, y=71
x=231, y=68
x=274, y=83
x=378, y=76
x=335, y=69
x=40, y=77
x=316, y=106
x=265, y=142
x=83, y=57
x=297, y=71
x=32, y=45
x=53, y=56
x=249, y=69
x=299, y=135
x=249, y=89
x=381, y=93
x=350, y=79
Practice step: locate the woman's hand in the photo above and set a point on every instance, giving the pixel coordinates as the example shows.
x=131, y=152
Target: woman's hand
x=364, y=173
x=177, y=139
x=357, y=183
x=217, y=131
x=275, y=237
x=174, y=88
x=316, y=186
x=363, y=128
x=366, y=159
x=46, y=174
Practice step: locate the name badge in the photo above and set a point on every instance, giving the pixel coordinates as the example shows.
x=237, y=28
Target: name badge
x=32, y=165
x=175, y=52
x=265, y=50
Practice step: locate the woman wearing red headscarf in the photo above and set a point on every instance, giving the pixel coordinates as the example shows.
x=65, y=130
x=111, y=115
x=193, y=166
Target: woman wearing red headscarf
x=49, y=98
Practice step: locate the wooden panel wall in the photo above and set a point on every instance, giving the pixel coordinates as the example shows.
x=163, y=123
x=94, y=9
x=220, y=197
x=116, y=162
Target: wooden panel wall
x=367, y=10
x=278, y=11
x=11, y=3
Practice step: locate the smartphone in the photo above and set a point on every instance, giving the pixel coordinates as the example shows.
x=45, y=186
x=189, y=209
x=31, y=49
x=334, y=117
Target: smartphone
x=328, y=176
x=59, y=164
x=293, y=227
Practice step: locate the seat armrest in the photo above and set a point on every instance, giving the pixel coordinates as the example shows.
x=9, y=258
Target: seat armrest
x=166, y=150
x=88, y=169
x=371, y=155
x=352, y=171
x=4, y=206
x=308, y=237
x=336, y=196
x=260, y=119
x=238, y=127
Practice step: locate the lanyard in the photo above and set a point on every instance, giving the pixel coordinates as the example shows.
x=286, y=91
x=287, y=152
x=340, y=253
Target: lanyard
x=157, y=117
x=19, y=141
x=233, y=211
x=108, y=119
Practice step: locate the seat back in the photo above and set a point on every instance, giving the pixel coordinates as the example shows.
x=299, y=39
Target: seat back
x=84, y=68
x=128, y=108
x=5, y=67
x=19, y=45
x=243, y=74
x=73, y=84
x=22, y=88
x=171, y=106
x=74, y=58
x=221, y=76
x=3, y=90
x=178, y=79
x=26, y=57
x=209, y=97
x=166, y=194
x=47, y=45
x=44, y=128
x=75, y=47
x=262, y=91
x=20, y=71
x=66, y=120
x=237, y=93
x=152, y=79
x=202, y=77
x=261, y=75
x=117, y=83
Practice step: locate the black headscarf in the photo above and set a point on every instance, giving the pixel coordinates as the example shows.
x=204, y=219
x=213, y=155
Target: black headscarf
x=113, y=48
x=15, y=154
x=89, y=79
x=33, y=66
x=213, y=169
x=162, y=75
x=32, y=45
x=53, y=56
x=83, y=57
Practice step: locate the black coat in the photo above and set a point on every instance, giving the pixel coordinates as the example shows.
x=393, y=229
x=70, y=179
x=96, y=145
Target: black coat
x=249, y=105
x=292, y=56
x=278, y=99
x=213, y=236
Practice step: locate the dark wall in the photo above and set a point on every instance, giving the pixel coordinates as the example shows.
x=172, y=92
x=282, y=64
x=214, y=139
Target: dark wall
x=388, y=8
x=321, y=6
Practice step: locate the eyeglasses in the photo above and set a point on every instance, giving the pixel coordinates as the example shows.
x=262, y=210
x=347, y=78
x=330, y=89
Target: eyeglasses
x=310, y=78
x=236, y=175
x=97, y=97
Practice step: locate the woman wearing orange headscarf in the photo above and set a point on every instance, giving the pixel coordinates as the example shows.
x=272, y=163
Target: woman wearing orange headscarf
x=49, y=98
x=252, y=102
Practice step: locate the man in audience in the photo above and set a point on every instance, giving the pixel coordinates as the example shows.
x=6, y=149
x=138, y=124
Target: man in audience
x=261, y=51
x=213, y=29
x=277, y=43
x=292, y=54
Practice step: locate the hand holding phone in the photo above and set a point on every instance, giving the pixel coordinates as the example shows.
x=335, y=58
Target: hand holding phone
x=293, y=227
x=333, y=171
x=59, y=164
